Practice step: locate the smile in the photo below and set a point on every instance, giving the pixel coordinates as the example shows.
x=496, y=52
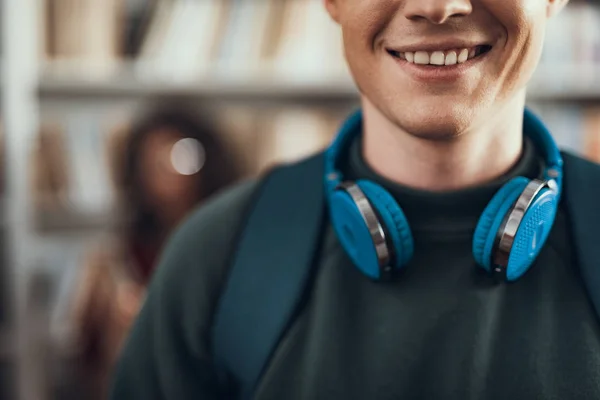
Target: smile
x=441, y=57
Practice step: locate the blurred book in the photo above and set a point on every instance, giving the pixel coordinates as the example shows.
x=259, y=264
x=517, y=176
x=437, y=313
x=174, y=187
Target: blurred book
x=84, y=35
x=575, y=128
x=50, y=183
x=243, y=46
x=71, y=176
x=186, y=44
x=295, y=133
x=90, y=187
x=136, y=19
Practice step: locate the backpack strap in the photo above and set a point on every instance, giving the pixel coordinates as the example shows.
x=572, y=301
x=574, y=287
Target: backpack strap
x=270, y=271
x=582, y=197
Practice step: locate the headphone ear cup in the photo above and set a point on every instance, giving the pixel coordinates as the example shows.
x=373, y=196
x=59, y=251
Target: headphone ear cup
x=492, y=218
x=353, y=234
x=532, y=234
x=394, y=221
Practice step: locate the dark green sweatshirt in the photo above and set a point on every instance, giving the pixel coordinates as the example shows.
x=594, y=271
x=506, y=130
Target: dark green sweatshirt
x=442, y=330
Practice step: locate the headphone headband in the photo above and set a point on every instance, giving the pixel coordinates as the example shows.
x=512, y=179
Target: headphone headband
x=533, y=128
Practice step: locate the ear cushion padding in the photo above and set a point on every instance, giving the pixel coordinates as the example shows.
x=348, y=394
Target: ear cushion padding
x=492, y=218
x=393, y=219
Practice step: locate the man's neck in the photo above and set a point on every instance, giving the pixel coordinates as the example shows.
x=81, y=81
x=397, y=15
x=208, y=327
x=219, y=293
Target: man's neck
x=473, y=158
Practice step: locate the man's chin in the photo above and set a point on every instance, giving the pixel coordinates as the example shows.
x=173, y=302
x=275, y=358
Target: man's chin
x=438, y=125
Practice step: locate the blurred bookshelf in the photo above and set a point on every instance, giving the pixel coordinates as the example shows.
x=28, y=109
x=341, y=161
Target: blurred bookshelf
x=272, y=72
x=269, y=58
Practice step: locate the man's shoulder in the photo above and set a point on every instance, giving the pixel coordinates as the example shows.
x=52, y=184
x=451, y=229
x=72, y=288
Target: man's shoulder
x=585, y=167
x=571, y=157
x=581, y=184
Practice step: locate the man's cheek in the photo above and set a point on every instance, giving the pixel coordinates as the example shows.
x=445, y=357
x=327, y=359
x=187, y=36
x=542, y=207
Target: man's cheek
x=368, y=18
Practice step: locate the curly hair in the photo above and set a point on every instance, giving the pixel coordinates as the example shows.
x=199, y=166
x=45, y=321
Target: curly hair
x=219, y=170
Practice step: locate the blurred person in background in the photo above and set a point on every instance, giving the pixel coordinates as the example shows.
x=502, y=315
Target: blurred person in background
x=173, y=161
x=441, y=248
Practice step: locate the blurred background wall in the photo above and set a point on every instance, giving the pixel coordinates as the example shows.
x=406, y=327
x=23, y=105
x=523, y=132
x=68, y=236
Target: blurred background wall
x=267, y=76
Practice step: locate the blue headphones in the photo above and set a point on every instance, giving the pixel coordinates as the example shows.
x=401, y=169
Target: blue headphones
x=374, y=231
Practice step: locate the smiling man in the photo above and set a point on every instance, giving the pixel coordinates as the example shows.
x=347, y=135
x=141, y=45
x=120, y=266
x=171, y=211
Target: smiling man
x=441, y=248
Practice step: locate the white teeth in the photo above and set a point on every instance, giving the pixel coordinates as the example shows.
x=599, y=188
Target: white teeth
x=451, y=58
x=437, y=58
x=421, y=57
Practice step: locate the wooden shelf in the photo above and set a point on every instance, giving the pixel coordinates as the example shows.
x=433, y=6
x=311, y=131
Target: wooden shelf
x=271, y=92
x=69, y=221
x=62, y=82
x=266, y=91
x=58, y=82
